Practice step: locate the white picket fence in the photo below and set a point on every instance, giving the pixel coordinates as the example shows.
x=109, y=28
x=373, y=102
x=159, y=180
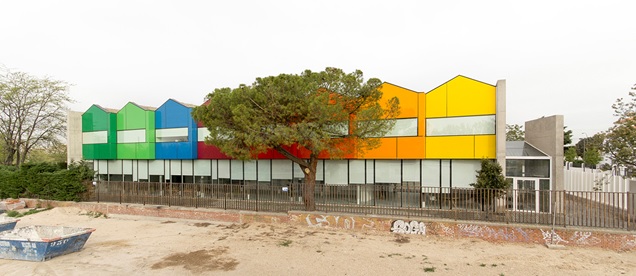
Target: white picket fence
x=593, y=180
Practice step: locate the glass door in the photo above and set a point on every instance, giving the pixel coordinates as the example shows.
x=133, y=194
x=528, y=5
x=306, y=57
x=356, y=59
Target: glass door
x=526, y=195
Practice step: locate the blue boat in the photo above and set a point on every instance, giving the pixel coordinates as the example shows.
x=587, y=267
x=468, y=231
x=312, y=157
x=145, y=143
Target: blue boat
x=40, y=243
x=7, y=223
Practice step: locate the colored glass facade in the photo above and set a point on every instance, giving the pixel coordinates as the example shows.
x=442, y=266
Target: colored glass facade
x=438, y=140
x=99, y=133
x=176, y=131
x=136, y=132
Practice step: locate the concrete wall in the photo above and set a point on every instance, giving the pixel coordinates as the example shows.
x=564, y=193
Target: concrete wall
x=568, y=237
x=73, y=136
x=500, y=121
x=546, y=134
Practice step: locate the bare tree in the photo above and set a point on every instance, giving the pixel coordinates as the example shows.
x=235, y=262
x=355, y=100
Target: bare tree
x=32, y=113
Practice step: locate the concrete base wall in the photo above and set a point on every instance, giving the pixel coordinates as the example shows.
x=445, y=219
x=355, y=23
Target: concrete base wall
x=614, y=240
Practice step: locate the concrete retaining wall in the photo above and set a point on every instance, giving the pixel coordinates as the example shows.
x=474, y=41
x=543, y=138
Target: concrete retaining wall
x=614, y=240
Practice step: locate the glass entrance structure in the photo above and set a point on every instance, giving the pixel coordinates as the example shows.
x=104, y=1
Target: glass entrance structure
x=529, y=170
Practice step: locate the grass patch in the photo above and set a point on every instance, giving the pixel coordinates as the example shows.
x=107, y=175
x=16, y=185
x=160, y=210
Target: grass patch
x=429, y=269
x=482, y=265
x=285, y=243
x=16, y=214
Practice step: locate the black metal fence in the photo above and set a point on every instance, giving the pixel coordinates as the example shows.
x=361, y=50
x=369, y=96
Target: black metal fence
x=562, y=208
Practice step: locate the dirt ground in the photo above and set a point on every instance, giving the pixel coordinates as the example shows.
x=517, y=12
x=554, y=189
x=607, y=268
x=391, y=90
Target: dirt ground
x=133, y=245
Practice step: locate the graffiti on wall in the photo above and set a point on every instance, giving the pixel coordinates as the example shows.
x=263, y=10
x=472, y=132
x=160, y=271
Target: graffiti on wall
x=552, y=237
x=327, y=221
x=445, y=230
x=487, y=232
x=629, y=242
x=584, y=238
x=413, y=227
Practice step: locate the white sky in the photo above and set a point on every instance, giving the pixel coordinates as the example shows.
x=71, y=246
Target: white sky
x=573, y=58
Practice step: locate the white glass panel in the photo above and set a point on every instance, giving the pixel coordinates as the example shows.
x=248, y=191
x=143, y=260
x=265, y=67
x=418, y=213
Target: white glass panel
x=96, y=137
x=127, y=165
x=142, y=169
x=281, y=169
x=167, y=171
x=202, y=132
x=103, y=166
x=264, y=172
x=131, y=136
x=186, y=167
x=370, y=178
x=298, y=172
x=215, y=167
x=224, y=168
x=250, y=170
x=465, y=172
x=473, y=125
x=336, y=172
x=411, y=170
x=135, y=168
x=445, y=173
x=175, y=167
x=155, y=167
x=403, y=127
x=202, y=167
x=320, y=172
x=114, y=166
x=387, y=171
x=356, y=171
x=237, y=169
x=172, y=135
x=430, y=173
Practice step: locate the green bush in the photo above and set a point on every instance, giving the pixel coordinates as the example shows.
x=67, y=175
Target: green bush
x=45, y=181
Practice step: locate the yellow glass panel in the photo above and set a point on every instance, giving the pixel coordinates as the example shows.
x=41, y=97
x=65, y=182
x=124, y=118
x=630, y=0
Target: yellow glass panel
x=467, y=97
x=436, y=102
x=449, y=147
x=386, y=150
x=408, y=99
x=410, y=148
x=485, y=146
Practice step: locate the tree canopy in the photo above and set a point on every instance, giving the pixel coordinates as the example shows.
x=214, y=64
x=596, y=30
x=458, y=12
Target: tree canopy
x=32, y=114
x=620, y=139
x=325, y=113
x=515, y=133
x=590, y=149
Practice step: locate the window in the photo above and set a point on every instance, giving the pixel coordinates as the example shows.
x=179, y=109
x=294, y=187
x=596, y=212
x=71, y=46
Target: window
x=172, y=135
x=202, y=133
x=473, y=125
x=403, y=127
x=96, y=137
x=131, y=136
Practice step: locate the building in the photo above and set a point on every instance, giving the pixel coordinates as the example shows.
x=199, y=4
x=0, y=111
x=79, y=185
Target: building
x=438, y=141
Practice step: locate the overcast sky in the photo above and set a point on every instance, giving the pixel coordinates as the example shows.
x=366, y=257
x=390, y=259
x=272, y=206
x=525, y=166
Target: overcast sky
x=573, y=58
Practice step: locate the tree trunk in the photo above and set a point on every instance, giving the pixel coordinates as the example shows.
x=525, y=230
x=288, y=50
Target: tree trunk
x=310, y=184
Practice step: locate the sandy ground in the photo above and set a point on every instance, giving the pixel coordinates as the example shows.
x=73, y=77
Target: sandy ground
x=133, y=245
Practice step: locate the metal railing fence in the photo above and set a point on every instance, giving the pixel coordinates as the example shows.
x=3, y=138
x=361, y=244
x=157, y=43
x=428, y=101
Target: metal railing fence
x=562, y=208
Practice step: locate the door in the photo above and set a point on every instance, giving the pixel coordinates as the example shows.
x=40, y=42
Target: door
x=529, y=194
x=526, y=198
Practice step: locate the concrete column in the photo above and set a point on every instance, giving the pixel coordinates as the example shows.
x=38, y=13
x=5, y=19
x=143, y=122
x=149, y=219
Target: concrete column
x=500, y=123
x=73, y=136
x=546, y=134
